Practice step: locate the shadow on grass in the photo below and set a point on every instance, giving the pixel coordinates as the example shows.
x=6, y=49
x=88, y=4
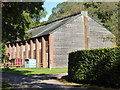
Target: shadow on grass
x=14, y=71
x=6, y=86
x=91, y=86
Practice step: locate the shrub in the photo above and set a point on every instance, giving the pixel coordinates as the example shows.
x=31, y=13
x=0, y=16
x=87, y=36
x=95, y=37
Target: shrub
x=101, y=66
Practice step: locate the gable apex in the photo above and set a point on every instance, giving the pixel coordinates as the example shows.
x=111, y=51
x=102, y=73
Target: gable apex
x=50, y=27
x=84, y=13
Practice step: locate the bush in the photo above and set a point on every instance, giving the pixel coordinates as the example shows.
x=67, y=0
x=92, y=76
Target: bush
x=101, y=66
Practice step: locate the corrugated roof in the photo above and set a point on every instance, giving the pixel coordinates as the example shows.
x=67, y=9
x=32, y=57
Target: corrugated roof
x=47, y=28
x=50, y=27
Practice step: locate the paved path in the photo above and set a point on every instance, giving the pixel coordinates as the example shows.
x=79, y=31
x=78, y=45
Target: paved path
x=38, y=81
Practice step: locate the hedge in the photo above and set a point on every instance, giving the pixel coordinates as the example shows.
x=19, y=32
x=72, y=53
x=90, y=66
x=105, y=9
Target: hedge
x=100, y=66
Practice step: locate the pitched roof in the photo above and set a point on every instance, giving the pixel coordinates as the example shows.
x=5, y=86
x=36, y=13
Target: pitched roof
x=47, y=28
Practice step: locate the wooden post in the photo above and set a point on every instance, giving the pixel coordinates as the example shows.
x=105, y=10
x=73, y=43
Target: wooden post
x=37, y=53
x=11, y=55
x=51, y=58
x=43, y=52
x=10, y=51
x=22, y=54
x=13, y=51
x=17, y=51
x=31, y=49
x=26, y=50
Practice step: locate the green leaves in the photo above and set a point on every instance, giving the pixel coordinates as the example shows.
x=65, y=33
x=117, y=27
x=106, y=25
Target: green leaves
x=96, y=66
x=17, y=18
x=105, y=12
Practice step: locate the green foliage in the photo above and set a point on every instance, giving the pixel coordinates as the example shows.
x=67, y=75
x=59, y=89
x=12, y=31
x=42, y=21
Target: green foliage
x=64, y=9
x=2, y=51
x=37, y=24
x=99, y=66
x=17, y=18
x=6, y=86
x=105, y=12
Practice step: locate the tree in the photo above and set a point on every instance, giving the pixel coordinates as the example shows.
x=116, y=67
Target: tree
x=105, y=12
x=65, y=9
x=18, y=17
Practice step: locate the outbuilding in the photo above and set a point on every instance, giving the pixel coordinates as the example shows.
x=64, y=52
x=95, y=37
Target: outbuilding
x=51, y=43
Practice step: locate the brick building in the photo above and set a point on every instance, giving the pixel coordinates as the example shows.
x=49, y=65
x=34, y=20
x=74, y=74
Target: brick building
x=51, y=42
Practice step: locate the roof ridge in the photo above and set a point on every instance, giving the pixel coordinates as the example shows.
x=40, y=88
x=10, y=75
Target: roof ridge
x=57, y=20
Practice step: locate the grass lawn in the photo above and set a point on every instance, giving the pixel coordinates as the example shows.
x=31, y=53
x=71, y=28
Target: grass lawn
x=34, y=71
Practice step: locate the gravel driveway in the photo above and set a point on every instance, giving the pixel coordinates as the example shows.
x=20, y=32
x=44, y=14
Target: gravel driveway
x=38, y=81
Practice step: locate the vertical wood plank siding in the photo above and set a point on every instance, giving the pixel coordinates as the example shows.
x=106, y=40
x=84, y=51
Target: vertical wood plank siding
x=68, y=37
x=99, y=35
